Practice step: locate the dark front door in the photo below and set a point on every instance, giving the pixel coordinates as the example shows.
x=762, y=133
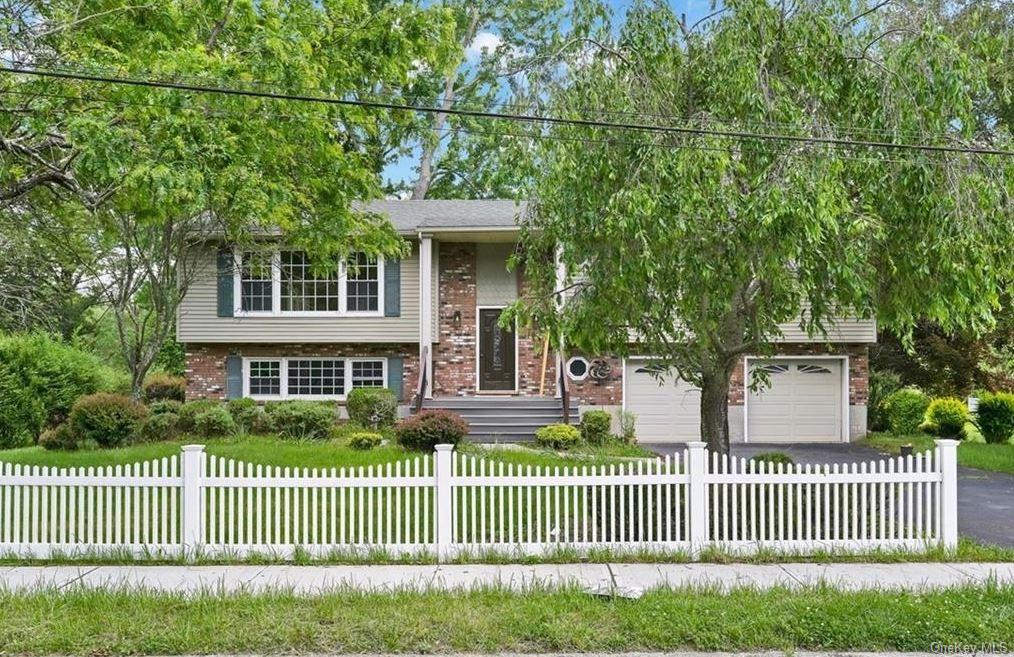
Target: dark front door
x=496, y=353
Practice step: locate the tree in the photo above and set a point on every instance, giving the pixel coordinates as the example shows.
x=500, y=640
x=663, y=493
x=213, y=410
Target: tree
x=157, y=171
x=699, y=246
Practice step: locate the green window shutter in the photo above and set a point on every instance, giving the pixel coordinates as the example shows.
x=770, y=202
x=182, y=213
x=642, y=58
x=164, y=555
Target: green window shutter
x=233, y=376
x=396, y=376
x=226, y=303
x=392, y=288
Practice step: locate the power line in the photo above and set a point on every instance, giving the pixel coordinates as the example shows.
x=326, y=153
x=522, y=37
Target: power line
x=525, y=118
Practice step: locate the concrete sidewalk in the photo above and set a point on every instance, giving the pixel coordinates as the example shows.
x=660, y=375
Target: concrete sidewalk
x=623, y=579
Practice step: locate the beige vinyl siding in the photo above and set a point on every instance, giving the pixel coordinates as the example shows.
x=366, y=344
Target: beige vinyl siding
x=199, y=322
x=495, y=286
x=845, y=330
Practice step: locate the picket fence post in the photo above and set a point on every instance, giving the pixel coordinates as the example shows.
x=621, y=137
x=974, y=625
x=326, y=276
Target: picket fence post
x=947, y=451
x=444, y=493
x=697, y=491
x=193, y=472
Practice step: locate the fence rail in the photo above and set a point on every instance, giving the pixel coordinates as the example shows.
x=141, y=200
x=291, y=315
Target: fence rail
x=446, y=503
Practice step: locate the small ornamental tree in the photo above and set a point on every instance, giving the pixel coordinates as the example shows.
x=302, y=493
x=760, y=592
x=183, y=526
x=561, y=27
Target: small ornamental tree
x=701, y=245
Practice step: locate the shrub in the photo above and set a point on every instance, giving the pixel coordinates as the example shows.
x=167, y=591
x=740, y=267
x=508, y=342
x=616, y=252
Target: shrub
x=905, y=410
x=165, y=406
x=430, y=428
x=628, y=425
x=995, y=416
x=60, y=437
x=160, y=386
x=52, y=375
x=160, y=427
x=946, y=416
x=249, y=416
x=772, y=458
x=557, y=436
x=301, y=419
x=375, y=408
x=190, y=410
x=882, y=384
x=215, y=422
x=107, y=419
x=595, y=427
x=365, y=440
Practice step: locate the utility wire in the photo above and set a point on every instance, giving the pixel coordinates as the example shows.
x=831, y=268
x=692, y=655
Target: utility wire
x=524, y=118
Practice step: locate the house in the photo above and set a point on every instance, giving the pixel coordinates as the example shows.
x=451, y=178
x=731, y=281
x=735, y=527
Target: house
x=248, y=333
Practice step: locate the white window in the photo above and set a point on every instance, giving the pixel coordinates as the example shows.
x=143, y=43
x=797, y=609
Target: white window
x=286, y=283
x=311, y=377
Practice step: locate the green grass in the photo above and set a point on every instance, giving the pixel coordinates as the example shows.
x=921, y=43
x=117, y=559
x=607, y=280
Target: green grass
x=494, y=620
x=996, y=458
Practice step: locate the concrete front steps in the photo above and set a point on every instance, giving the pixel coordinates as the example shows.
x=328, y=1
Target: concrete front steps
x=496, y=419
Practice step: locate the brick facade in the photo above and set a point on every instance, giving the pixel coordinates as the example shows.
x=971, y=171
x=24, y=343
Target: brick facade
x=859, y=369
x=205, y=363
x=454, y=354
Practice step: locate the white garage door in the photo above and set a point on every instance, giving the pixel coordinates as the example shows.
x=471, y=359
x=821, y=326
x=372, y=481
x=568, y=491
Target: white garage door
x=802, y=404
x=666, y=412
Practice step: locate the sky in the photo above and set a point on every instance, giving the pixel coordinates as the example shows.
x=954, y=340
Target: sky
x=403, y=170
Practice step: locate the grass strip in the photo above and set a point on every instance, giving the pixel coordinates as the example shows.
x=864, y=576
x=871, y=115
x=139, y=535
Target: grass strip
x=982, y=456
x=143, y=623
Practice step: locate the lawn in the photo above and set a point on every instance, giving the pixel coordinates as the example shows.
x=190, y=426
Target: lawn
x=494, y=620
x=997, y=458
x=271, y=450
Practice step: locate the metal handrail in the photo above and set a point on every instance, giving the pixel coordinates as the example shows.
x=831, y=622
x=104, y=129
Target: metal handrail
x=564, y=390
x=420, y=392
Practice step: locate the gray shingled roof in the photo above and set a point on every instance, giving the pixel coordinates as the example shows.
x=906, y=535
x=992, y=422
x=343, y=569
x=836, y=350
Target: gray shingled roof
x=436, y=214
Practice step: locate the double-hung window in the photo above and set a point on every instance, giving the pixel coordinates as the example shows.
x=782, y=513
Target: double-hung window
x=285, y=282
x=311, y=377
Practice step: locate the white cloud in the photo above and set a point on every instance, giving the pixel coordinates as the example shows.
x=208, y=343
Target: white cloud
x=484, y=42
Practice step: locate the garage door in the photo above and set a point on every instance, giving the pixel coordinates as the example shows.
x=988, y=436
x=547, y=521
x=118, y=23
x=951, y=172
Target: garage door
x=802, y=404
x=666, y=412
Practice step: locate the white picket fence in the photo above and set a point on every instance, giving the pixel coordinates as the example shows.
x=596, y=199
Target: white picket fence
x=447, y=503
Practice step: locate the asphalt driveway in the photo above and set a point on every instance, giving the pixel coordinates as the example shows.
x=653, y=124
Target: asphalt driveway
x=985, y=499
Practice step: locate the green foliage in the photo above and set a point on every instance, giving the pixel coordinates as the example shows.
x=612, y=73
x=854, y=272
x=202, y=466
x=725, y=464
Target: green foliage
x=628, y=426
x=557, y=436
x=365, y=440
x=21, y=413
x=107, y=420
x=995, y=417
x=51, y=376
x=59, y=438
x=160, y=387
x=249, y=416
x=773, y=459
x=946, y=417
x=374, y=408
x=905, y=410
x=161, y=427
x=189, y=411
x=427, y=429
x=166, y=406
x=215, y=422
x=302, y=419
x=595, y=427
x=882, y=384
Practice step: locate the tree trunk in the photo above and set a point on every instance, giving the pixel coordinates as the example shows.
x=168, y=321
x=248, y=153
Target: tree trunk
x=715, y=410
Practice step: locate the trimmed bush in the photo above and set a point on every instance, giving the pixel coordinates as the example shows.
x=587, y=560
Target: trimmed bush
x=165, y=406
x=301, y=419
x=107, y=420
x=160, y=386
x=946, y=417
x=557, y=436
x=995, y=416
x=595, y=426
x=160, y=427
x=189, y=411
x=249, y=416
x=882, y=384
x=430, y=428
x=215, y=422
x=365, y=440
x=59, y=438
x=40, y=379
x=772, y=458
x=905, y=410
x=375, y=408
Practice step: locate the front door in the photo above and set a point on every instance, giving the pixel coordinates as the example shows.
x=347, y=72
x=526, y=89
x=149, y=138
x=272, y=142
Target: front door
x=496, y=352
